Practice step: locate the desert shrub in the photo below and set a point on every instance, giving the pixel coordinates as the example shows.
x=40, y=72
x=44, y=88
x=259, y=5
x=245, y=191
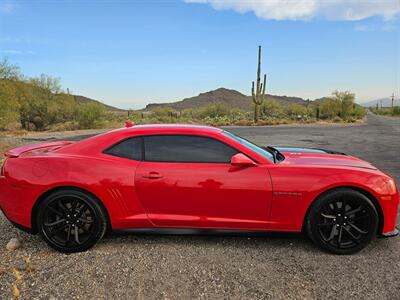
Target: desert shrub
x=165, y=112
x=396, y=111
x=358, y=112
x=296, y=111
x=89, y=115
x=8, y=106
x=271, y=108
x=213, y=111
x=329, y=108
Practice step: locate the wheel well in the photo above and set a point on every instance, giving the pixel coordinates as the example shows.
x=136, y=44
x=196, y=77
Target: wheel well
x=36, y=206
x=360, y=190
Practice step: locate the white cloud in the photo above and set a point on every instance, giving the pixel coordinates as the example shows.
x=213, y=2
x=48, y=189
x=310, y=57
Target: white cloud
x=7, y=7
x=348, y=10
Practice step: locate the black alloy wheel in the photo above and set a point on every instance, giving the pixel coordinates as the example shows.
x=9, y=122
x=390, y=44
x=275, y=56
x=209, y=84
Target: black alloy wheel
x=342, y=221
x=70, y=220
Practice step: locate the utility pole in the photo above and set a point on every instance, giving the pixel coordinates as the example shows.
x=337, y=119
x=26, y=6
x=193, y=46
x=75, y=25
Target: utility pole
x=381, y=103
x=392, y=100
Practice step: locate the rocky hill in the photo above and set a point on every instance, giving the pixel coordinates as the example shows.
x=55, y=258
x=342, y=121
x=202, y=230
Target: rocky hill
x=83, y=99
x=230, y=98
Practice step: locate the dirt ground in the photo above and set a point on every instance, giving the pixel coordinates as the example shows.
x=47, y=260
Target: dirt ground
x=263, y=266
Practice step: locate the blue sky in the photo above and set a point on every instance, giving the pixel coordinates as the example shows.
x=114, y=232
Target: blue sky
x=130, y=53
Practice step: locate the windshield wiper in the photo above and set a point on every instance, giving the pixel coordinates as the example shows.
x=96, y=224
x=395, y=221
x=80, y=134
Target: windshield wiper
x=278, y=156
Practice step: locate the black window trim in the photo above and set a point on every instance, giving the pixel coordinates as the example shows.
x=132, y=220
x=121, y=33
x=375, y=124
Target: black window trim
x=143, y=156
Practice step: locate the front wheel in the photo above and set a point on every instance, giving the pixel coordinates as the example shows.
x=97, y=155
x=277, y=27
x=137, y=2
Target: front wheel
x=342, y=221
x=71, y=221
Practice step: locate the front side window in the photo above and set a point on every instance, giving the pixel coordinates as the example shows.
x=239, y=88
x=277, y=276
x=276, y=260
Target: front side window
x=250, y=145
x=130, y=148
x=185, y=148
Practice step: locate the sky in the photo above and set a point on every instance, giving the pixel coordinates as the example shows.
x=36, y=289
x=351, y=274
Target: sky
x=130, y=53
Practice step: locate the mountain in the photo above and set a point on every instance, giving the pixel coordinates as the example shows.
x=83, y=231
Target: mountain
x=83, y=99
x=386, y=102
x=227, y=97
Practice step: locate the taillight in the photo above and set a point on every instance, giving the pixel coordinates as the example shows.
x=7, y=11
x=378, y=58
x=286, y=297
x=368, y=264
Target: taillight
x=3, y=170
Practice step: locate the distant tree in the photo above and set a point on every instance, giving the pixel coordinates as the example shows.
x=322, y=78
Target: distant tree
x=48, y=83
x=346, y=100
x=8, y=105
x=9, y=71
x=329, y=108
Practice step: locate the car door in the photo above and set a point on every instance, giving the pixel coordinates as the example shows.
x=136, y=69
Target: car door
x=188, y=181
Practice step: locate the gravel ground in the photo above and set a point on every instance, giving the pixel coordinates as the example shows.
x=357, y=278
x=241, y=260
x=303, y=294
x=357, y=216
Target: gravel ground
x=267, y=266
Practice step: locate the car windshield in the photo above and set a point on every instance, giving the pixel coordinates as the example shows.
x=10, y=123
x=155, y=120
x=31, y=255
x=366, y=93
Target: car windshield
x=250, y=145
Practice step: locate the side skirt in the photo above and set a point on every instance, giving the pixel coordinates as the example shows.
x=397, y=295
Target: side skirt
x=195, y=231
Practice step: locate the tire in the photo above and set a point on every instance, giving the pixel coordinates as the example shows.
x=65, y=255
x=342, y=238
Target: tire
x=71, y=220
x=342, y=221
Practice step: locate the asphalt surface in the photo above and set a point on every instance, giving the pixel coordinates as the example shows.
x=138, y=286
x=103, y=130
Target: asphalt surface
x=268, y=266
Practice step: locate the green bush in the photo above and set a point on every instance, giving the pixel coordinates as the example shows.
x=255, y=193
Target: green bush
x=359, y=112
x=213, y=111
x=89, y=115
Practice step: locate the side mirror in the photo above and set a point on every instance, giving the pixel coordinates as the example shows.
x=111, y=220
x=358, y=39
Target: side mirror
x=241, y=160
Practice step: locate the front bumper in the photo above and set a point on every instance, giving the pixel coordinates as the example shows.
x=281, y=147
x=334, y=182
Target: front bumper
x=389, y=234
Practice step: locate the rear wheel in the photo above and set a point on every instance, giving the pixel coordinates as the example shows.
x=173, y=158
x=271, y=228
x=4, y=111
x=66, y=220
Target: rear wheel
x=342, y=221
x=71, y=221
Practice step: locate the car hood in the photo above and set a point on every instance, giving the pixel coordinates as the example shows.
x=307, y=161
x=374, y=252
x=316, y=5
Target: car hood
x=321, y=157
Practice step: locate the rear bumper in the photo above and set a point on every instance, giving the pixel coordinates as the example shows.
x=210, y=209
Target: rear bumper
x=19, y=226
x=16, y=203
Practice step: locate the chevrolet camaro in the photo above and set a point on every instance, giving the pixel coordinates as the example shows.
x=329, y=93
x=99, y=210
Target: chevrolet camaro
x=193, y=177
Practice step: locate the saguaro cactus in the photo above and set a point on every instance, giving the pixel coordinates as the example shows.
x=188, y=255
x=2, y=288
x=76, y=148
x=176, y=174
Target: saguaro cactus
x=259, y=93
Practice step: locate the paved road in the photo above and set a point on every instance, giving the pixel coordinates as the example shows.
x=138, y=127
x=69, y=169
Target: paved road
x=254, y=267
x=377, y=141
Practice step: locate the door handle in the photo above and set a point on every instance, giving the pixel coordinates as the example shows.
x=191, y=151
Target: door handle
x=152, y=175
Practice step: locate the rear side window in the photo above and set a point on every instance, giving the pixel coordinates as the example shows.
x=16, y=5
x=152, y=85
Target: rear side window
x=183, y=148
x=130, y=148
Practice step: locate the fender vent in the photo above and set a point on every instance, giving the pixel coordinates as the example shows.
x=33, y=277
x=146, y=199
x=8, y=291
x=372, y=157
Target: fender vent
x=120, y=201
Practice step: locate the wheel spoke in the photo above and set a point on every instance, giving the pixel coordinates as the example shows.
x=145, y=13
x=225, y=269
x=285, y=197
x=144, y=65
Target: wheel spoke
x=328, y=216
x=340, y=237
x=358, y=229
x=54, y=223
x=332, y=234
x=76, y=230
x=74, y=205
x=84, y=220
x=351, y=235
x=62, y=206
x=344, y=203
x=337, y=209
x=58, y=213
x=68, y=235
x=359, y=218
x=353, y=211
x=53, y=233
x=326, y=224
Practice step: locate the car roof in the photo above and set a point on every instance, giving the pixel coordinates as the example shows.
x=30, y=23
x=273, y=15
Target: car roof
x=171, y=127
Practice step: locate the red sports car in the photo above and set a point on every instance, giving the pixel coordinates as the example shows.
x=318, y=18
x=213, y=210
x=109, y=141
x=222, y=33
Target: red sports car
x=193, y=177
